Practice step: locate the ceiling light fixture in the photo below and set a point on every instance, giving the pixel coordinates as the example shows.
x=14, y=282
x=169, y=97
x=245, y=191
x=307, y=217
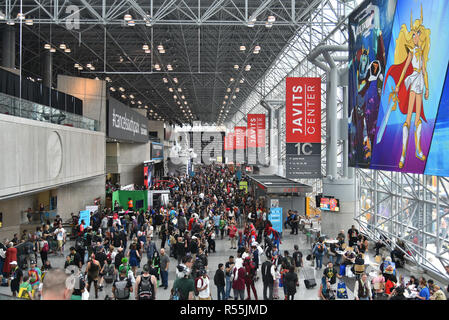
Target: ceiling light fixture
x=127, y=17
x=236, y=66
x=52, y=50
x=145, y=47
x=131, y=23
x=165, y=80
x=47, y=46
x=29, y=22
x=242, y=48
x=67, y=50
x=170, y=89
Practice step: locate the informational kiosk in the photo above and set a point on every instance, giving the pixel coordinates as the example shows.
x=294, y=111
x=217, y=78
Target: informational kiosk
x=279, y=193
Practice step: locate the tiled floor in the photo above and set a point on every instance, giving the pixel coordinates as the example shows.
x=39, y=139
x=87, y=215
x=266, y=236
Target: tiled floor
x=223, y=252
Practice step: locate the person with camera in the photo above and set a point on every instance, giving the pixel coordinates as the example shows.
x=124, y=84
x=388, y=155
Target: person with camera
x=184, y=285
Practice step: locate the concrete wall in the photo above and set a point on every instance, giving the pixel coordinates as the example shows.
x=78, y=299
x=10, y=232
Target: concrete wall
x=130, y=161
x=76, y=196
x=12, y=214
x=93, y=94
x=157, y=126
x=37, y=155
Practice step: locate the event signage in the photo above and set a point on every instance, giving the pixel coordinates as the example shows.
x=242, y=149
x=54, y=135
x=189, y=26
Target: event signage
x=84, y=215
x=303, y=160
x=256, y=130
x=303, y=110
x=125, y=124
x=398, y=86
x=240, y=138
x=157, y=151
x=275, y=218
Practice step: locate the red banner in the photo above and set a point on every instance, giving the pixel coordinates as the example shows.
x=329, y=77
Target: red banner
x=229, y=142
x=240, y=138
x=256, y=130
x=303, y=110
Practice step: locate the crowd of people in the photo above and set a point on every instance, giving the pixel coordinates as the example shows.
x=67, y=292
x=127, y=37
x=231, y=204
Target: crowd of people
x=209, y=206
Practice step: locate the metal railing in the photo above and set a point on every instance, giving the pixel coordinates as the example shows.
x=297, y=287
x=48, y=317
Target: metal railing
x=30, y=110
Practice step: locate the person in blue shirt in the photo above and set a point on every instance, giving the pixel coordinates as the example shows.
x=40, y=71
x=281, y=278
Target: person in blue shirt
x=216, y=219
x=424, y=293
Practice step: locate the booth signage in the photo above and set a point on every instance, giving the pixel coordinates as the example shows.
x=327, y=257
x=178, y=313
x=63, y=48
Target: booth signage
x=276, y=218
x=125, y=124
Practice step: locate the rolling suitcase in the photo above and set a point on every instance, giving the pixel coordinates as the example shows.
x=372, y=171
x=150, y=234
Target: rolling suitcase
x=309, y=278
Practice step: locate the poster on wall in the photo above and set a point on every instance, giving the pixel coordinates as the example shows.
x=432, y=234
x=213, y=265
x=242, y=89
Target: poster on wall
x=397, y=86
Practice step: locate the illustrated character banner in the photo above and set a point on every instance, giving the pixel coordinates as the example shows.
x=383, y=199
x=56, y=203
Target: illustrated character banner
x=395, y=113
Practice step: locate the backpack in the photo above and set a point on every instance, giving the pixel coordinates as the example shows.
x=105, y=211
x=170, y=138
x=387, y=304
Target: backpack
x=79, y=244
x=122, y=290
x=109, y=276
x=196, y=285
x=45, y=247
x=320, y=248
x=146, y=288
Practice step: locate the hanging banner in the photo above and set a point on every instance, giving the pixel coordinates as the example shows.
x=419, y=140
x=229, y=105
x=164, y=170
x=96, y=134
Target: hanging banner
x=240, y=138
x=256, y=130
x=303, y=110
x=229, y=141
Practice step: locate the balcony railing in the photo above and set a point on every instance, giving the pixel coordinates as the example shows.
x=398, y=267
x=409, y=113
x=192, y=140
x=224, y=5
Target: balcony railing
x=26, y=109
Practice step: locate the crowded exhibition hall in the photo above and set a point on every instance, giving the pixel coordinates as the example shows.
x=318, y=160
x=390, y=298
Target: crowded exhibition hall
x=232, y=150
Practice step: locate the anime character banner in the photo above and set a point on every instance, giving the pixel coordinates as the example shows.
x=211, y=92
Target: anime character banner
x=369, y=35
x=416, y=59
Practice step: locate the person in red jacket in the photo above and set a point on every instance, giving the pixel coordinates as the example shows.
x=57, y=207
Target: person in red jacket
x=250, y=275
x=11, y=255
x=232, y=235
x=238, y=282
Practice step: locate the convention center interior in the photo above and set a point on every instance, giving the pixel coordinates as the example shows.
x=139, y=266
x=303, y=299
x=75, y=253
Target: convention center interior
x=234, y=150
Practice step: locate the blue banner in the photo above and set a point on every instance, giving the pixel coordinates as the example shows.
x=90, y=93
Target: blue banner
x=85, y=215
x=276, y=218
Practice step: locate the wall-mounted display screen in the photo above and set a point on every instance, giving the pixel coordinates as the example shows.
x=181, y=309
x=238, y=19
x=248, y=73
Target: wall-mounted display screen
x=330, y=204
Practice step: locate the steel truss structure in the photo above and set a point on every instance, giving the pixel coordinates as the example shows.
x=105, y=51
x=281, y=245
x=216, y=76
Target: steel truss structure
x=413, y=208
x=201, y=39
x=410, y=207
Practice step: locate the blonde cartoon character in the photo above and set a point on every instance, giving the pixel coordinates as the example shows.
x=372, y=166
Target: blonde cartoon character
x=410, y=75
